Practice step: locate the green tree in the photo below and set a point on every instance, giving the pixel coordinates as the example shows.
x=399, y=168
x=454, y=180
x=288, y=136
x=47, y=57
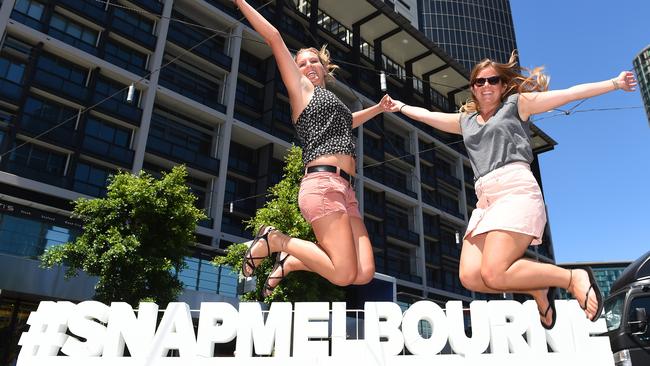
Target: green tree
x=133, y=238
x=281, y=211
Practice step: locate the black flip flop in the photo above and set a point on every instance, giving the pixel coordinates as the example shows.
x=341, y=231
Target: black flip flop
x=599, y=297
x=550, y=297
x=249, y=260
x=279, y=262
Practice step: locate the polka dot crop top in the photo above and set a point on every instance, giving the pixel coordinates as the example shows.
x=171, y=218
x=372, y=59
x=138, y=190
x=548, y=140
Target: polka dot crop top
x=325, y=127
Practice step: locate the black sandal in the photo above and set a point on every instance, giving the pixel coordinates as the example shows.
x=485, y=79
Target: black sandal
x=249, y=260
x=279, y=262
x=599, y=297
x=550, y=297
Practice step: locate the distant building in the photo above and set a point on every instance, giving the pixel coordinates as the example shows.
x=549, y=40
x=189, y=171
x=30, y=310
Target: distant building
x=642, y=69
x=469, y=30
x=605, y=272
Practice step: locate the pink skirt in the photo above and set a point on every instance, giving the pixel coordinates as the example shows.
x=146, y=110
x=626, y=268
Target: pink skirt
x=509, y=199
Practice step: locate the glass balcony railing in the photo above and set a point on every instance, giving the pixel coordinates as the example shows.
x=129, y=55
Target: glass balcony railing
x=374, y=208
x=104, y=150
x=134, y=33
x=150, y=5
x=88, y=9
x=192, y=87
x=182, y=154
x=28, y=21
x=402, y=234
x=448, y=178
x=60, y=134
x=36, y=174
x=118, y=109
x=186, y=37
x=10, y=91
x=371, y=149
x=60, y=86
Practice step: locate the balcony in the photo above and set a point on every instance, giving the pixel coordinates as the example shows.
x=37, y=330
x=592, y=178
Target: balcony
x=63, y=135
x=106, y=151
x=118, y=109
x=89, y=9
x=374, y=208
x=428, y=176
x=371, y=150
x=36, y=174
x=402, y=234
x=131, y=32
x=206, y=223
x=185, y=37
x=73, y=41
x=448, y=178
x=10, y=91
x=28, y=21
x=398, y=152
x=431, y=231
x=60, y=86
x=150, y=5
x=193, y=87
x=398, y=182
x=182, y=154
x=244, y=207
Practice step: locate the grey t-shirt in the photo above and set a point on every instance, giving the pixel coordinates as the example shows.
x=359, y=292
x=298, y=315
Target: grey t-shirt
x=504, y=139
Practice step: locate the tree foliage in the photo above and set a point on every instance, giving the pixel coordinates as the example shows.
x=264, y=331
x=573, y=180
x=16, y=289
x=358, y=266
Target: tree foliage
x=281, y=211
x=133, y=238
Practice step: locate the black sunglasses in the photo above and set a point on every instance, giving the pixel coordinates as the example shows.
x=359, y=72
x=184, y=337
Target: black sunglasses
x=492, y=80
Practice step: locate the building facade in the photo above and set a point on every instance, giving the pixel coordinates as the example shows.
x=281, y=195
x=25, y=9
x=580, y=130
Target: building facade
x=642, y=69
x=208, y=95
x=604, y=272
x=469, y=30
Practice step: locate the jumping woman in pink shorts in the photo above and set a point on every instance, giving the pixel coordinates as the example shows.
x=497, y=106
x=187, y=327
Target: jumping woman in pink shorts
x=510, y=213
x=327, y=200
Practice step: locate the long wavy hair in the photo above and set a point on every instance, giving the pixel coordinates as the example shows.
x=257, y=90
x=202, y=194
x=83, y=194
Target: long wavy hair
x=512, y=76
x=325, y=60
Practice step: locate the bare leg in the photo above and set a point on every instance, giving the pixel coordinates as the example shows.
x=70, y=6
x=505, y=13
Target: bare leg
x=470, y=274
x=363, y=248
x=335, y=257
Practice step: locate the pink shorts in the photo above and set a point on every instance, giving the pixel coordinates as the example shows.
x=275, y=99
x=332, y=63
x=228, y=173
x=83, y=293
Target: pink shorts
x=323, y=193
x=509, y=199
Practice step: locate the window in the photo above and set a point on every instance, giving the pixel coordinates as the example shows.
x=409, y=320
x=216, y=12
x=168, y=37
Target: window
x=201, y=275
x=11, y=70
x=124, y=56
x=32, y=9
x=28, y=237
x=63, y=69
x=108, y=132
x=117, y=92
x=91, y=179
x=39, y=159
x=642, y=302
x=74, y=29
x=135, y=20
x=47, y=111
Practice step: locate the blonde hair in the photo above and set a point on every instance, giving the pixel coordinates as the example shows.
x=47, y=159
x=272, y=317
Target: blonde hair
x=324, y=58
x=512, y=77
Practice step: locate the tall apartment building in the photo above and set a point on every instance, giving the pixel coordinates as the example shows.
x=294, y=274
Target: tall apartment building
x=469, y=30
x=209, y=96
x=642, y=69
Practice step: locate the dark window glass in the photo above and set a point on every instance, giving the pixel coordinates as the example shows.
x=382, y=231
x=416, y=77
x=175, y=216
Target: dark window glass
x=31, y=8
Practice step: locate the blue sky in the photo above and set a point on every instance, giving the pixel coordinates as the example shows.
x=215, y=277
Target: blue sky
x=596, y=181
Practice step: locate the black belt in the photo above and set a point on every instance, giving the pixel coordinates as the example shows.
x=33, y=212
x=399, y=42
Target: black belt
x=331, y=169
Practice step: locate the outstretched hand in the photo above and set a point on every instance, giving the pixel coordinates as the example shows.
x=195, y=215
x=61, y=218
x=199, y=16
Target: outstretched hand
x=626, y=81
x=390, y=105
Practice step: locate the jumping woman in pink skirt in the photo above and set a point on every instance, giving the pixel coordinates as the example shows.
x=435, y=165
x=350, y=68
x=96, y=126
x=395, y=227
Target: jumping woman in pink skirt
x=510, y=213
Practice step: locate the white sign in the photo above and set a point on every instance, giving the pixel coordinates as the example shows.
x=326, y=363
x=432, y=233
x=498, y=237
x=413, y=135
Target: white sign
x=503, y=332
